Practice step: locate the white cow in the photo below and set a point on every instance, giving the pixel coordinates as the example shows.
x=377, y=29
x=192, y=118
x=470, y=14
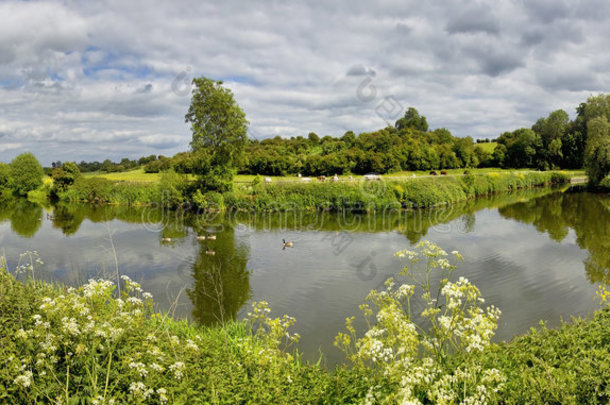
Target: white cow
x=267, y=179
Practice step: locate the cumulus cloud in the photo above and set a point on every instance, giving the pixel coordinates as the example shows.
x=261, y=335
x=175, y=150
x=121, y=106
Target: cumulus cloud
x=110, y=79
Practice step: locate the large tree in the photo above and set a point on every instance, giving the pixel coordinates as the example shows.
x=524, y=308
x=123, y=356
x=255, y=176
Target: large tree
x=412, y=119
x=219, y=128
x=26, y=174
x=551, y=131
x=597, y=152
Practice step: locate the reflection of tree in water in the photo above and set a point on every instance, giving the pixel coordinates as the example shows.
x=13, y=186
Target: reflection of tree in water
x=589, y=216
x=222, y=282
x=25, y=216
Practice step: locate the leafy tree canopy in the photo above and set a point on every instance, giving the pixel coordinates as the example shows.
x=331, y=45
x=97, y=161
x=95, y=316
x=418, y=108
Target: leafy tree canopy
x=25, y=173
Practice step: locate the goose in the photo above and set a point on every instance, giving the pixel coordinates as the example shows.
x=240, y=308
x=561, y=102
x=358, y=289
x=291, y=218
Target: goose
x=287, y=244
x=200, y=237
x=209, y=252
x=166, y=239
x=211, y=237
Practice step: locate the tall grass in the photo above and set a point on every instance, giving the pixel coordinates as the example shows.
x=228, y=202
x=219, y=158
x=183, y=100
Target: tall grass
x=375, y=195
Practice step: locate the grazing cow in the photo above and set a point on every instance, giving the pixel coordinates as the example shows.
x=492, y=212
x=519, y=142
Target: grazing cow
x=335, y=178
x=321, y=178
x=434, y=173
x=267, y=179
x=372, y=176
x=306, y=179
x=444, y=172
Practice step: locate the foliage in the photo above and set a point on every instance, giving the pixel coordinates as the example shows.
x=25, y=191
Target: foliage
x=413, y=120
x=407, y=362
x=100, y=190
x=597, y=152
x=25, y=174
x=64, y=176
x=384, y=195
x=569, y=365
x=5, y=172
x=86, y=345
x=172, y=188
x=219, y=130
x=158, y=165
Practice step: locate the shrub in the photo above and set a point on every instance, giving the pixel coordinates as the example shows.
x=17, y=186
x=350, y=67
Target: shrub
x=172, y=188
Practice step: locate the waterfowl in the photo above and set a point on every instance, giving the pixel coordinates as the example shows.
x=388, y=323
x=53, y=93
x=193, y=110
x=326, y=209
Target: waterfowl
x=200, y=237
x=211, y=237
x=209, y=251
x=287, y=244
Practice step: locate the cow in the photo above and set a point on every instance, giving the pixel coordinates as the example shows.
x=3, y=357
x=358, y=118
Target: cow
x=434, y=173
x=267, y=179
x=444, y=172
x=321, y=178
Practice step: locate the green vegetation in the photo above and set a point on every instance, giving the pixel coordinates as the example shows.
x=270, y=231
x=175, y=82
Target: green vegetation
x=425, y=341
x=25, y=174
x=380, y=195
x=564, y=366
x=597, y=153
x=219, y=129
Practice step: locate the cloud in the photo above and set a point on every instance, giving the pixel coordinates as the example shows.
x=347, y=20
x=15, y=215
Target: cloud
x=110, y=79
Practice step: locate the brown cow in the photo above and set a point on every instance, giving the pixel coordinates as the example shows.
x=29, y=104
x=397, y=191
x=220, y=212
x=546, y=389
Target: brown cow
x=444, y=172
x=433, y=173
x=321, y=178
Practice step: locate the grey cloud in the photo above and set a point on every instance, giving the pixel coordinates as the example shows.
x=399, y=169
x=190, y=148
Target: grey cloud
x=360, y=70
x=474, y=19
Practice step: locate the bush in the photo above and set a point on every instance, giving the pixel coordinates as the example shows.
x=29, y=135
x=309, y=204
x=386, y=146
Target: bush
x=25, y=174
x=100, y=190
x=172, y=188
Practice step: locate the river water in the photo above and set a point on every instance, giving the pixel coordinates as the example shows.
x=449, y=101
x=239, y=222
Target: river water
x=537, y=255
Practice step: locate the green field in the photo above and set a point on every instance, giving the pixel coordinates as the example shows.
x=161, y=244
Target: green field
x=487, y=146
x=139, y=176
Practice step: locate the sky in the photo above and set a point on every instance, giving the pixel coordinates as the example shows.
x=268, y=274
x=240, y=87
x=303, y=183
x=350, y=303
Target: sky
x=111, y=79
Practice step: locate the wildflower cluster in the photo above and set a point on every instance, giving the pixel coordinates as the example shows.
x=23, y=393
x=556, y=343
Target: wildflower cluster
x=86, y=337
x=408, y=360
x=272, y=333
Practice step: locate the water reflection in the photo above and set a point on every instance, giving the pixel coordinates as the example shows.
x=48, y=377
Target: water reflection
x=337, y=258
x=221, y=280
x=587, y=214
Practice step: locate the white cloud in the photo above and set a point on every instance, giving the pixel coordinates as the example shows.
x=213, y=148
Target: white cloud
x=90, y=80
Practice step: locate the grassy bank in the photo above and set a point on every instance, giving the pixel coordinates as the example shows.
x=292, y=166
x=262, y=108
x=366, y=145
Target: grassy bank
x=359, y=194
x=86, y=345
x=386, y=194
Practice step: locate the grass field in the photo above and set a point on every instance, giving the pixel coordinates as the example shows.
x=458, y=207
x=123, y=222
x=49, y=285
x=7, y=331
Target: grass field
x=487, y=146
x=139, y=176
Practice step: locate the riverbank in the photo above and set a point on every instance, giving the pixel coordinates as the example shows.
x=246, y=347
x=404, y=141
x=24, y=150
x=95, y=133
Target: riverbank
x=72, y=345
x=358, y=195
